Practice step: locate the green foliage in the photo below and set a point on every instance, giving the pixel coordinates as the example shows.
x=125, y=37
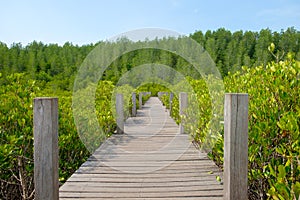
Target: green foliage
x=72, y=152
x=16, y=138
x=199, y=119
x=175, y=109
x=175, y=106
x=94, y=113
x=49, y=70
x=104, y=105
x=16, y=133
x=274, y=133
x=274, y=139
x=127, y=91
x=231, y=51
x=153, y=88
x=55, y=64
x=200, y=128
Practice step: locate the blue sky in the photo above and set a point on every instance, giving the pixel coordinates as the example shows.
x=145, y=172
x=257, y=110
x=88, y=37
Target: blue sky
x=89, y=21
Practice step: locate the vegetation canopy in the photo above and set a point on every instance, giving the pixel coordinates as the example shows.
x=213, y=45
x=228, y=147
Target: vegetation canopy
x=264, y=64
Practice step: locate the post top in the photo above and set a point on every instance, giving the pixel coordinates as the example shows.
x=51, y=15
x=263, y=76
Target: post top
x=240, y=94
x=45, y=98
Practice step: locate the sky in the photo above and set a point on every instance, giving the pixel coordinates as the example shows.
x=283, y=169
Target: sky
x=89, y=21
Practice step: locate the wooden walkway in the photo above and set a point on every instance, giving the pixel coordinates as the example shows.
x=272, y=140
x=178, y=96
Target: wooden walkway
x=150, y=161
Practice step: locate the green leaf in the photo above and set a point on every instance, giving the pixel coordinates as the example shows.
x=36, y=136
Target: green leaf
x=281, y=197
x=288, y=163
x=272, y=172
x=281, y=171
x=218, y=178
x=296, y=189
x=271, y=48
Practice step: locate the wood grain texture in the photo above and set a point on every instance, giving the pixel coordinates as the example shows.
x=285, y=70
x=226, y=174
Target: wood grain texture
x=236, y=146
x=140, y=100
x=151, y=160
x=133, y=104
x=171, y=102
x=183, y=104
x=120, y=113
x=45, y=128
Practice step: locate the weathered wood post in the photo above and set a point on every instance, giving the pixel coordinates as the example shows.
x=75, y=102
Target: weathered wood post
x=45, y=131
x=171, y=101
x=140, y=100
x=120, y=113
x=159, y=94
x=133, y=104
x=183, y=103
x=235, y=146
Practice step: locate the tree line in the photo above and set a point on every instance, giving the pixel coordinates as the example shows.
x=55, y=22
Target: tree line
x=57, y=65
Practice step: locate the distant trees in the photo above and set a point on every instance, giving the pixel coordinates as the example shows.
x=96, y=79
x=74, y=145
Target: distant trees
x=50, y=63
x=231, y=51
x=57, y=65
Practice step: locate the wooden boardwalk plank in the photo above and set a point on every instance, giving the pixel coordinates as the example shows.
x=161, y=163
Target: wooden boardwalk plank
x=151, y=160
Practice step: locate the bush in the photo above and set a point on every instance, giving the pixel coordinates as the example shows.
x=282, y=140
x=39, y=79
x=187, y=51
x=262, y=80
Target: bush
x=274, y=121
x=16, y=133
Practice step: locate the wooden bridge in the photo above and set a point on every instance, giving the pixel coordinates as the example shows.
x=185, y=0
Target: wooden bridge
x=152, y=159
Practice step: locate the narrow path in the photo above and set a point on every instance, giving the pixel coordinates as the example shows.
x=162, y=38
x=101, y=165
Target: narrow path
x=150, y=161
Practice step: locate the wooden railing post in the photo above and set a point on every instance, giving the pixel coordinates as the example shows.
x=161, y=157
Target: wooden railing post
x=133, y=104
x=235, y=146
x=159, y=94
x=183, y=103
x=45, y=131
x=171, y=101
x=140, y=100
x=120, y=113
